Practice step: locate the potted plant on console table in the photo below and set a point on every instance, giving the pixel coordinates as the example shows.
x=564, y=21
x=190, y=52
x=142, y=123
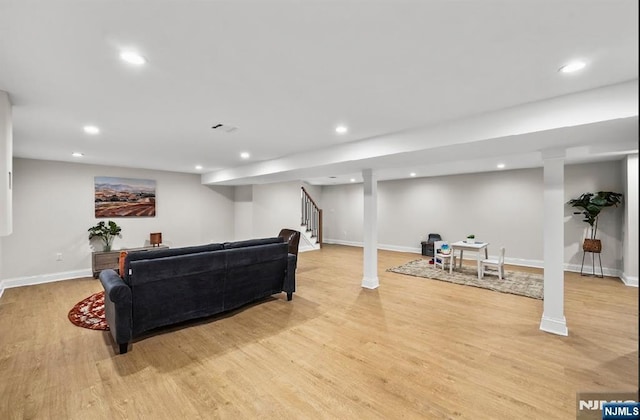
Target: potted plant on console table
x=106, y=232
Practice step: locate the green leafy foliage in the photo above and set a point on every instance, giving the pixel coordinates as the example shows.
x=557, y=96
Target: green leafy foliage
x=592, y=204
x=106, y=232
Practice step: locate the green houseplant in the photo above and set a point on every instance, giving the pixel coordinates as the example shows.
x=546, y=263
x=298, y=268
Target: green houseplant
x=592, y=204
x=471, y=238
x=106, y=232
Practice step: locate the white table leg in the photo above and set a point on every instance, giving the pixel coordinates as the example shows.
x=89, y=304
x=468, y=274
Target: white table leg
x=478, y=253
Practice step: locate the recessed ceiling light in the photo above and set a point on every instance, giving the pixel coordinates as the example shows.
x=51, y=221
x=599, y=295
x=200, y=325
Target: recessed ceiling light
x=132, y=57
x=412, y=174
x=500, y=165
x=91, y=129
x=245, y=155
x=341, y=129
x=198, y=167
x=352, y=180
x=77, y=154
x=572, y=67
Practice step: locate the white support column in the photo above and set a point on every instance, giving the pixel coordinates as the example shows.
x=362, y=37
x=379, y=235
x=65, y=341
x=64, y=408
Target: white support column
x=630, y=238
x=553, y=319
x=6, y=166
x=370, y=230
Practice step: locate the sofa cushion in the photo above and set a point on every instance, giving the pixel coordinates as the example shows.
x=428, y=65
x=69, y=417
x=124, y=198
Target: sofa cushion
x=253, y=242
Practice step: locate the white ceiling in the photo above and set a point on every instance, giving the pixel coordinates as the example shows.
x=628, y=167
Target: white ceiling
x=411, y=79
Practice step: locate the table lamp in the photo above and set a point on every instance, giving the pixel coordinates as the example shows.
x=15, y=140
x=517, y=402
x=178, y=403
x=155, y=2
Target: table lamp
x=155, y=239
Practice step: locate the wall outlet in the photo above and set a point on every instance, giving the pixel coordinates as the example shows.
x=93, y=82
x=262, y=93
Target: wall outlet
x=59, y=256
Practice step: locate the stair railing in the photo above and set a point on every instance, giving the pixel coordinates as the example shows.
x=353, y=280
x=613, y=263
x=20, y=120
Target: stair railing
x=311, y=216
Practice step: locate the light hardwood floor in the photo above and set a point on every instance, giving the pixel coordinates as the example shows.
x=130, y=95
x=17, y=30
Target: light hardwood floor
x=413, y=348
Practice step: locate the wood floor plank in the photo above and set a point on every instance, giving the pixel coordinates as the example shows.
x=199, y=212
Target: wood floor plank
x=413, y=348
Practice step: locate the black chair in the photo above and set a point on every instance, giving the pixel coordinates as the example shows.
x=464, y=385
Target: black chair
x=427, y=246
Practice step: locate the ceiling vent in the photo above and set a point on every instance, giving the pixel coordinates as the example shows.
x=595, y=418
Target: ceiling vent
x=224, y=127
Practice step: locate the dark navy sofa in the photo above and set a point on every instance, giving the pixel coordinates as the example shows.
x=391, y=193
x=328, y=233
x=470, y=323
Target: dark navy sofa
x=167, y=286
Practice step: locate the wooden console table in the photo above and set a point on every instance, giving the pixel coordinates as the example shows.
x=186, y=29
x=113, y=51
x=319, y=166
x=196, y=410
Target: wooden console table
x=101, y=260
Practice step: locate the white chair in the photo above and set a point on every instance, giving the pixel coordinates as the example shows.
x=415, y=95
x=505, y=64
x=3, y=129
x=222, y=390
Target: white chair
x=493, y=263
x=441, y=257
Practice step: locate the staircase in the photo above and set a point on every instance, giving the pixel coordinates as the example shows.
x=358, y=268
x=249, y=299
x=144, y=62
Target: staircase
x=310, y=223
x=307, y=242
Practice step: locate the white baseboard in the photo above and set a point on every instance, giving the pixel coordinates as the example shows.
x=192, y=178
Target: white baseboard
x=612, y=272
x=43, y=278
x=341, y=242
x=380, y=246
x=397, y=248
x=629, y=280
x=370, y=282
x=554, y=326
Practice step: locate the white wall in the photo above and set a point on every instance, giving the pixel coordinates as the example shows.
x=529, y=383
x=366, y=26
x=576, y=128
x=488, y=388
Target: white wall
x=262, y=210
x=579, y=179
x=6, y=163
x=630, y=245
x=54, y=204
x=502, y=208
x=275, y=206
x=343, y=209
x=54, y=207
x=315, y=191
x=243, y=212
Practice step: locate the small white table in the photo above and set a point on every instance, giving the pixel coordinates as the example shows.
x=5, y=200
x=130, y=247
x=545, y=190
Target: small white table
x=476, y=247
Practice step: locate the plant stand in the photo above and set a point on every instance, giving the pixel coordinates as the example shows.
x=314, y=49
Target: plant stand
x=593, y=264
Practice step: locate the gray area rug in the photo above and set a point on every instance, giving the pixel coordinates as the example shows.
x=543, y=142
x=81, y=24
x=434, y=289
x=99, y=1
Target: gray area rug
x=514, y=282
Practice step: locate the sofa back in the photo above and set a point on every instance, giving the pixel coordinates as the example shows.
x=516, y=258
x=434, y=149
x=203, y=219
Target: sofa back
x=174, y=288
x=266, y=263
x=253, y=242
x=150, y=254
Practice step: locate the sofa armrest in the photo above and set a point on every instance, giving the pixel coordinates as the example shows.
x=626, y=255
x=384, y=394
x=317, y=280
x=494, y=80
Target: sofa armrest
x=114, y=287
x=117, y=307
x=290, y=277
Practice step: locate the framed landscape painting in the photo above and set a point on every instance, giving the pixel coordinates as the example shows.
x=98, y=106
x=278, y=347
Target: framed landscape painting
x=125, y=197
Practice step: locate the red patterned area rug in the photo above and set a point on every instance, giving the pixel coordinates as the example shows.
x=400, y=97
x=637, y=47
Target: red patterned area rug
x=89, y=313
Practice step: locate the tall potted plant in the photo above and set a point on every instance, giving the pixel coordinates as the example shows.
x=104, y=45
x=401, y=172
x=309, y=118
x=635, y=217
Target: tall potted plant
x=591, y=205
x=106, y=232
